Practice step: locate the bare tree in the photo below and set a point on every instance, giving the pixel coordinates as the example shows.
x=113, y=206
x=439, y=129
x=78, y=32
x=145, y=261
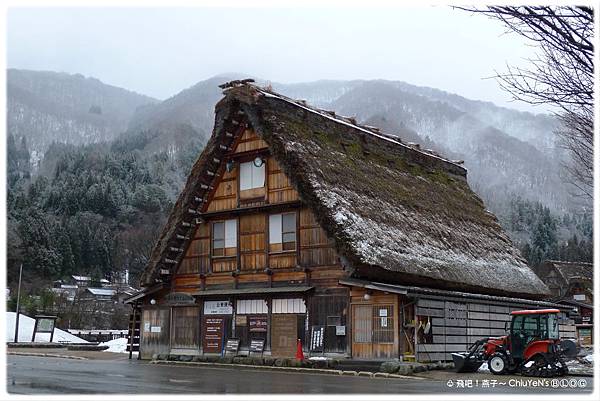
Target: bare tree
x=562, y=74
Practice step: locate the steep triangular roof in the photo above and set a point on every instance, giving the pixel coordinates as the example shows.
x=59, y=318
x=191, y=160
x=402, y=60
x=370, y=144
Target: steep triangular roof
x=396, y=213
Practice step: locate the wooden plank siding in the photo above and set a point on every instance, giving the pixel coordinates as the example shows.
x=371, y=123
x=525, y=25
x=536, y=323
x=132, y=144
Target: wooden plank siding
x=250, y=141
x=154, y=332
x=279, y=187
x=456, y=325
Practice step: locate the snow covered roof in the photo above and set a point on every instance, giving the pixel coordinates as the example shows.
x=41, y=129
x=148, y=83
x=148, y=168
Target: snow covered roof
x=87, y=278
x=102, y=291
x=395, y=212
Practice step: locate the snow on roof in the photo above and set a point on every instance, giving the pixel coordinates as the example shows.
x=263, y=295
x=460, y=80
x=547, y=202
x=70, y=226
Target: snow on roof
x=102, y=291
x=395, y=212
x=81, y=278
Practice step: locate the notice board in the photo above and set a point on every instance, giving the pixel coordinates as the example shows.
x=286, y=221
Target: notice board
x=284, y=331
x=212, y=339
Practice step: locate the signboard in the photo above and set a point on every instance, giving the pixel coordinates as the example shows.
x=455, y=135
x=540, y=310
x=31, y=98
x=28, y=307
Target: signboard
x=179, y=298
x=284, y=332
x=218, y=308
x=45, y=325
x=317, y=334
x=340, y=330
x=383, y=312
x=146, y=327
x=257, y=345
x=232, y=345
x=212, y=340
x=155, y=329
x=258, y=324
x=241, y=320
x=579, y=297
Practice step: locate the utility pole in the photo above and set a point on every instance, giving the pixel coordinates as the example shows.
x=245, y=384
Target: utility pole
x=18, y=300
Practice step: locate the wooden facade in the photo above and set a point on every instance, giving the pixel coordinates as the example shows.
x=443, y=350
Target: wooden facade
x=251, y=256
x=254, y=263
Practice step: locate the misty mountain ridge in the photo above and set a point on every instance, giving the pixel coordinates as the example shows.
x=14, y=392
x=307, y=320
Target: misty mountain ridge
x=506, y=152
x=48, y=107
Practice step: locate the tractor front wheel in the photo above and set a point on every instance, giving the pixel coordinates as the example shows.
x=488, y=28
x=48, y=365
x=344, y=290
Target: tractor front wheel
x=498, y=364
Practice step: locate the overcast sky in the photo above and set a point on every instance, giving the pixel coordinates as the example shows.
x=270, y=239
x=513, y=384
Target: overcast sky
x=160, y=51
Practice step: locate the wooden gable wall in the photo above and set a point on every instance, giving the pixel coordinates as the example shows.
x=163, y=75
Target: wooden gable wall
x=251, y=210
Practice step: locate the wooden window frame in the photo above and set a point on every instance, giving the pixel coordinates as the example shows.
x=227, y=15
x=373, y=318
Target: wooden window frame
x=212, y=239
x=252, y=167
x=283, y=251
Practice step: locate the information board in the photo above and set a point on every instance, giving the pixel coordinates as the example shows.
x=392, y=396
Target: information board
x=317, y=335
x=212, y=340
x=232, y=346
x=257, y=345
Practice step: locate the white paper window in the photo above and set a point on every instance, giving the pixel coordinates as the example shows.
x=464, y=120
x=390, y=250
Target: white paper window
x=230, y=233
x=282, y=230
x=224, y=236
x=288, y=305
x=251, y=306
x=251, y=176
x=275, y=234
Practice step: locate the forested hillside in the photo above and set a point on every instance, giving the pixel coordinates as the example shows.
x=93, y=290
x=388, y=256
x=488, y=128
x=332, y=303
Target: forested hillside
x=93, y=202
x=93, y=209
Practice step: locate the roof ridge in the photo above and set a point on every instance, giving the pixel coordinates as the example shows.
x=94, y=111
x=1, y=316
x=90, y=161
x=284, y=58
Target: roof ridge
x=332, y=115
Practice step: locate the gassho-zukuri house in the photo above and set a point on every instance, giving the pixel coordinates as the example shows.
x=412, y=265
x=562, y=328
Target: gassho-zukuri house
x=297, y=223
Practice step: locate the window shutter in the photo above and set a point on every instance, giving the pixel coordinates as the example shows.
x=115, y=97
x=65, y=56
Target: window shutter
x=258, y=176
x=230, y=234
x=275, y=229
x=245, y=176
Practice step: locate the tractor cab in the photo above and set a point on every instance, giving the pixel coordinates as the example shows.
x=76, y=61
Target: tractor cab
x=529, y=326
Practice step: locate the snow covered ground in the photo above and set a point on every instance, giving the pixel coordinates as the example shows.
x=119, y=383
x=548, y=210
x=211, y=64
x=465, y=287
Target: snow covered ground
x=26, y=325
x=116, y=345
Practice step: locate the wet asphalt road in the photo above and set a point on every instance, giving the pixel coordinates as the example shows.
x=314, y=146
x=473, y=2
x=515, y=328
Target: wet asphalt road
x=44, y=375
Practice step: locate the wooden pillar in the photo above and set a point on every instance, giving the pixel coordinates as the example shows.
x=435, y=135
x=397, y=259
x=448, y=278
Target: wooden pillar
x=269, y=328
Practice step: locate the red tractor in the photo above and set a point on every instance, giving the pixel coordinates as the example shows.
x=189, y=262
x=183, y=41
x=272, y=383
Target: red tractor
x=532, y=347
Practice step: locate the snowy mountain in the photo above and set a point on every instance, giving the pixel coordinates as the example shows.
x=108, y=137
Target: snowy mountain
x=48, y=107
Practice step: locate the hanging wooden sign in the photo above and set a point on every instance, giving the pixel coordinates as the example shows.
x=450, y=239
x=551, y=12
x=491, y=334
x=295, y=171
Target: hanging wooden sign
x=177, y=298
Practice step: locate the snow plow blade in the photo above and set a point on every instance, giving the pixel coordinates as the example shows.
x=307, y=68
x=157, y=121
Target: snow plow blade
x=464, y=363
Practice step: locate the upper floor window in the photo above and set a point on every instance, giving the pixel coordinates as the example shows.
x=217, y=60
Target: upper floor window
x=224, y=241
x=252, y=175
x=282, y=232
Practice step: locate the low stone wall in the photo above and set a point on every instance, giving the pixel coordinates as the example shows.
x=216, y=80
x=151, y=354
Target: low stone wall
x=390, y=367
x=251, y=360
x=408, y=368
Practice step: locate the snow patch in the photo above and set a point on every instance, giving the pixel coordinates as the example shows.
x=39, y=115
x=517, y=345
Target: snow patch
x=118, y=345
x=26, y=325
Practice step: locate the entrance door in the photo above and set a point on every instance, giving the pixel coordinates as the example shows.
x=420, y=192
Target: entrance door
x=284, y=332
x=373, y=332
x=362, y=331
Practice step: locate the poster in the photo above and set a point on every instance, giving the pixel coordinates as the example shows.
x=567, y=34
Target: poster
x=212, y=340
x=258, y=324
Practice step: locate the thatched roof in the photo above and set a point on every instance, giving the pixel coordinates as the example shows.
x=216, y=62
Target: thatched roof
x=572, y=271
x=396, y=213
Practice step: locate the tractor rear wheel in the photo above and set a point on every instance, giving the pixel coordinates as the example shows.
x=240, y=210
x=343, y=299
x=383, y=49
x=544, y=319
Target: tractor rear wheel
x=498, y=364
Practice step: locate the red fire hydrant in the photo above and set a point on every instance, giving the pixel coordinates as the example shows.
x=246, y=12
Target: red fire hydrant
x=299, y=353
